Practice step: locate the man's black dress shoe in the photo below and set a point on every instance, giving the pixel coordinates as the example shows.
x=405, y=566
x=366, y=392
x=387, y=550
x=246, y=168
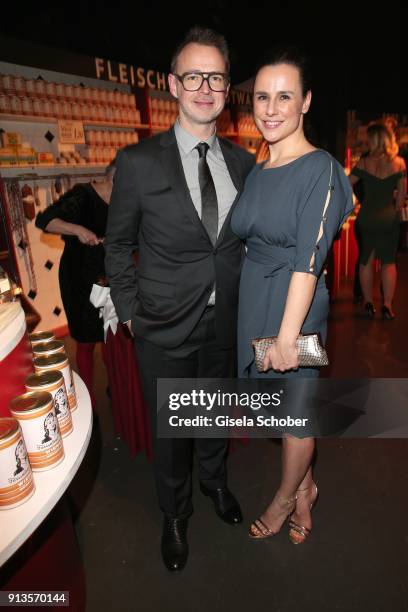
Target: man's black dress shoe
x=226, y=506
x=174, y=546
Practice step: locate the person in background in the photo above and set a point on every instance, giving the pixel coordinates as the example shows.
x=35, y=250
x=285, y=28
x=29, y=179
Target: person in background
x=80, y=216
x=292, y=207
x=383, y=176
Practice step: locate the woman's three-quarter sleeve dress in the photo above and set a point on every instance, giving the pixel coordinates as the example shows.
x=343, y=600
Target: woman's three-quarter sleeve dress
x=288, y=217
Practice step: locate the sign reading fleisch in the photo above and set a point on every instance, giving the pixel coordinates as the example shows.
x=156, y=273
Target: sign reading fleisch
x=116, y=72
x=71, y=132
x=130, y=75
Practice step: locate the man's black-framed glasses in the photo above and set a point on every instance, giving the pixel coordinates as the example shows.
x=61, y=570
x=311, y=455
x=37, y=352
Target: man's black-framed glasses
x=192, y=81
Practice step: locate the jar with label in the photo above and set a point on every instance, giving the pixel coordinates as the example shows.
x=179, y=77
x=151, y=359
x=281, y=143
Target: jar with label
x=15, y=105
x=91, y=155
x=106, y=154
x=69, y=92
x=60, y=90
x=26, y=106
x=109, y=114
x=19, y=85
x=101, y=113
x=4, y=103
x=35, y=413
x=87, y=95
x=47, y=108
x=66, y=110
x=95, y=96
x=124, y=113
x=90, y=137
x=16, y=477
x=51, y=90
x=85, y=112
x=99, y=155
x=8, y=84
x=39, y=88
x=98, y=138
x=78, y=93
x=30, y=87
x=93, y=112
x=122, y=139
x=53, y=382
x=56, y=108
x=38, y=107
x=46, y=349
x=76, y=111
x=106, y=138
x=116, y=115
x=59, y=362
x=118, y=98
x=110, y=97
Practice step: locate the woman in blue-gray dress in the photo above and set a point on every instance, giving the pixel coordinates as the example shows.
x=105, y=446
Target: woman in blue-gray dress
x=292, y=207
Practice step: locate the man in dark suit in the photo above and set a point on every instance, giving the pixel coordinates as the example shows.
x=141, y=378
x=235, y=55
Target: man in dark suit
x=172, y=200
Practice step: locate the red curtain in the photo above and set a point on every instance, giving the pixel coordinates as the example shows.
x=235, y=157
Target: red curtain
x=130, y=413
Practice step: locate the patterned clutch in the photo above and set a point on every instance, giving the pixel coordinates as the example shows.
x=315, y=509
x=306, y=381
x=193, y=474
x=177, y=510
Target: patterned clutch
x=311, y=352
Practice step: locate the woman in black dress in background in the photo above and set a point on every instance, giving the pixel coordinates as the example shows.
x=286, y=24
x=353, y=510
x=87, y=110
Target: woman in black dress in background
x=80, y=216
x=292, y=207
x=382, y=174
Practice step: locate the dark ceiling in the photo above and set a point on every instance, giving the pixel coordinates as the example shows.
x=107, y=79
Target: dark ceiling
x=359, y=56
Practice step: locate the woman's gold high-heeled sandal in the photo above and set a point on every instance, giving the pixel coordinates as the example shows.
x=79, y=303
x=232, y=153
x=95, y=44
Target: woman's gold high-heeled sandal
x=299, y=533
x=259, y=530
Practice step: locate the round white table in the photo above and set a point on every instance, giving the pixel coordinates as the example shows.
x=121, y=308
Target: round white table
x=18, y=524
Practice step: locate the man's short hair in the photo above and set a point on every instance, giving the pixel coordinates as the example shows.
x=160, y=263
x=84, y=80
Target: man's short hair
x=202, y=36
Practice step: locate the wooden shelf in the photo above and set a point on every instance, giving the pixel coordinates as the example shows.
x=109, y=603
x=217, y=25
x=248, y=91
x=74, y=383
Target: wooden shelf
x=136, y=126
x=86, y=123
x=61, y=166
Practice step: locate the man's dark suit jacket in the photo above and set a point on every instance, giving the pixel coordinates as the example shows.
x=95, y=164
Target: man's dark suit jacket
x=151, y=210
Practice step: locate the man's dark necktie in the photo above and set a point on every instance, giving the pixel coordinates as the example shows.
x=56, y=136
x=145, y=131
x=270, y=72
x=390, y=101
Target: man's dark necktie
x=209, y=203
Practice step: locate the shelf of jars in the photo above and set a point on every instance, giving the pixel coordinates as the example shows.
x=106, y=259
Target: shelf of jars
x=30, y=148
x=46, y=172
x=59, y=166
x=40, y=98
x=109, y=117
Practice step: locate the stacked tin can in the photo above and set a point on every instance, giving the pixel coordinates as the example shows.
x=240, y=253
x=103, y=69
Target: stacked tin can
x=31, y=441
x=16, y=477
